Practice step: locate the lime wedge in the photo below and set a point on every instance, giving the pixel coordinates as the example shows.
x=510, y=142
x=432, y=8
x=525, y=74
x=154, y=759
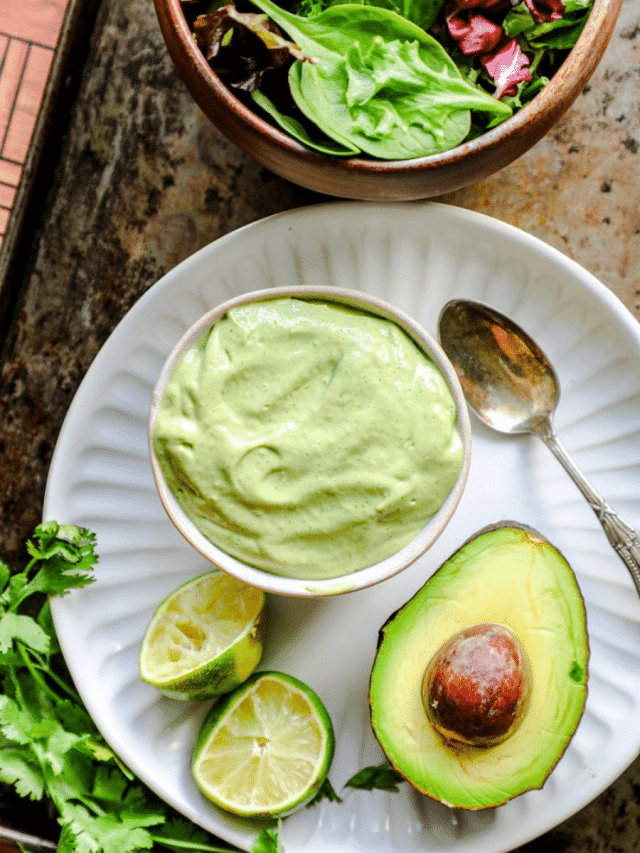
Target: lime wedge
x=265, y=749
x=205, y=638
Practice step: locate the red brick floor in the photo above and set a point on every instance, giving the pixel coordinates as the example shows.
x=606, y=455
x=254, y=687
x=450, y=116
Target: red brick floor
x=29, y=31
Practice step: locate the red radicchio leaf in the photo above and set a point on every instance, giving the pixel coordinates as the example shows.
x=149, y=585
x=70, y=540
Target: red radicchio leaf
x=544, y=11
x=508, y=66
x=474, y=33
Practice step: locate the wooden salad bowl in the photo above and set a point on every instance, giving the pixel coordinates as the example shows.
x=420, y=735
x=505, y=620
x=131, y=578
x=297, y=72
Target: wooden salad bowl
x=366, y=179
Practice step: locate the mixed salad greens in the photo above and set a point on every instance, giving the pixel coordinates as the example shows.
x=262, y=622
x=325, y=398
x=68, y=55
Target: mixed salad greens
x=388, y=79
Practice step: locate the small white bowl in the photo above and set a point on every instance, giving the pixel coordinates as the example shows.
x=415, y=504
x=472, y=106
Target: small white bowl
x=362, y=578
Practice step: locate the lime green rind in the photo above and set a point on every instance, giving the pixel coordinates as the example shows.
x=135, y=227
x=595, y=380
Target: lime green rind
x=468, y=777
x=225, y=706
x=222, y=676
x=222, y=672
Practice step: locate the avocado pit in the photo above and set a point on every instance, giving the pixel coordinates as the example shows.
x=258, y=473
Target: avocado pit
x=476, y=687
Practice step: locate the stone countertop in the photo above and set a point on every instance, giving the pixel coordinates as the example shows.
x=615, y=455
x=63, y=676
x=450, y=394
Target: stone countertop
x=140, y=180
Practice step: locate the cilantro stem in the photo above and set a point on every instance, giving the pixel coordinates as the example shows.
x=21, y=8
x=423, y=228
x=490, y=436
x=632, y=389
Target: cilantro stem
x=25, y=592
x=27, y=662
x=60, y=682
x=37, y=676
x=178, y=844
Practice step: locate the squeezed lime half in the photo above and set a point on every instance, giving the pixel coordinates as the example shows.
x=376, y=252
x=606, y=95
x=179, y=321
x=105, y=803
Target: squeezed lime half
x=265, y=749
x=205, y=638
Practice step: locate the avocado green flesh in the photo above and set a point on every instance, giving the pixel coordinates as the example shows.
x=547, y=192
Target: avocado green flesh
x=510, y=575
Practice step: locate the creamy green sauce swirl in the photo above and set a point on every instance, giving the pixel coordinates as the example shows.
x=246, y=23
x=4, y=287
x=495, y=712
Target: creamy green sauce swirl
x=307, y=438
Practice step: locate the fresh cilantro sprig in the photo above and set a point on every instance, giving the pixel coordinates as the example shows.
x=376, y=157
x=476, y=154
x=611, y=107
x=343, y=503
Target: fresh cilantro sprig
x=49, y=746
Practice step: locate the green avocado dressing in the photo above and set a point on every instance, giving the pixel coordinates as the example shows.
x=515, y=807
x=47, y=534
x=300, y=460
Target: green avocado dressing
x=307, y=438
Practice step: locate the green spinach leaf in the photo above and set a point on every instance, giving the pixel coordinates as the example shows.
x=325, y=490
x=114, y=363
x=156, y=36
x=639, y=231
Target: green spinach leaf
x=420, y=12
x=296, y=129
x=379, y=83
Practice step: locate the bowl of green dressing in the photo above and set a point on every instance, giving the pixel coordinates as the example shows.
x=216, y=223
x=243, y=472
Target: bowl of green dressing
x=309, y=441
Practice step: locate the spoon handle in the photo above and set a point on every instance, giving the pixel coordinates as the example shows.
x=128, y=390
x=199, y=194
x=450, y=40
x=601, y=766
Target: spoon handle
x=621, y=535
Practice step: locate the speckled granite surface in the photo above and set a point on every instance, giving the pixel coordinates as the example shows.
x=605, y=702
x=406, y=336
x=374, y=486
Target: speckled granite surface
x=143, y=180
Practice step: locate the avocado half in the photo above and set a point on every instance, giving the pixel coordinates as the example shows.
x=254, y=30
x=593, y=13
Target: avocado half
x=508, y=574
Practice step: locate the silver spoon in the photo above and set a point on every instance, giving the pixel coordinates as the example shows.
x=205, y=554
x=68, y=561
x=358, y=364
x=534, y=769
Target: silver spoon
x=511, y=386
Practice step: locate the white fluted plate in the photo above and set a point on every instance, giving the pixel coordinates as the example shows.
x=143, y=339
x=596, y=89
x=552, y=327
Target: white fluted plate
x=416, y=256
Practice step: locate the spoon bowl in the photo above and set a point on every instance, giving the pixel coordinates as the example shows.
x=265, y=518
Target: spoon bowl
x=512, y=387
x=506, y=378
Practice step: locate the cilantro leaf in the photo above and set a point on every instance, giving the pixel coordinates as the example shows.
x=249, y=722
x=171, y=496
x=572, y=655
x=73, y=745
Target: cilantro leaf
x=268, y=841
x=382, y=776
x=14, y=627
x=15, y=721
x=325, y=792
x=62, y=557
x=118, y=832
x=66, y=555
x=178, y=833
x=21, y=769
